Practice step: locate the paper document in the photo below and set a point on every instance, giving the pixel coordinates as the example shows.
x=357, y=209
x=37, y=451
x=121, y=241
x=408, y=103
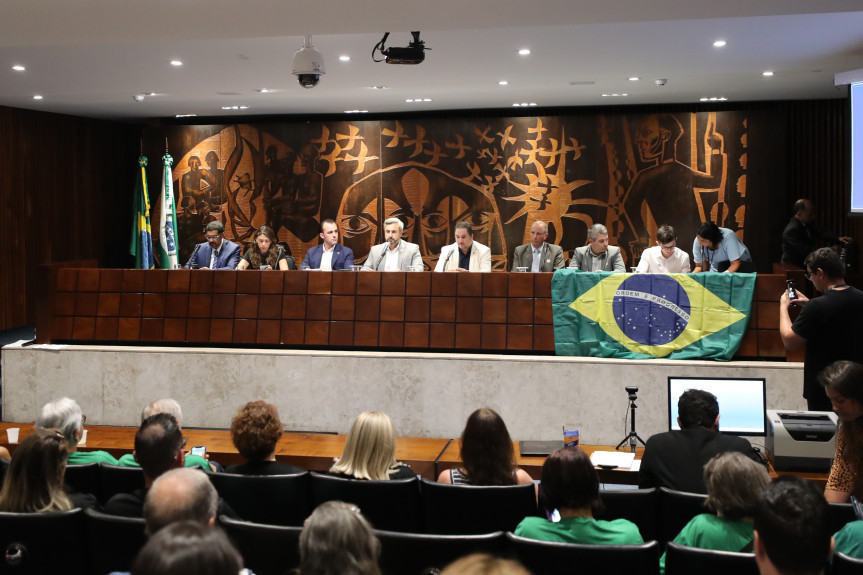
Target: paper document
x=620, y=459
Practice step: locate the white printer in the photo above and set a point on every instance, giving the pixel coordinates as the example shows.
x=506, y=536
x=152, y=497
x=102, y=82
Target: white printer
x=801, y=440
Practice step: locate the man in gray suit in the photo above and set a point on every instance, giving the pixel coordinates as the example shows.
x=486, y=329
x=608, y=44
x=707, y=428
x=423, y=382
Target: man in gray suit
x=395, y=254
x=538, y=256
x=597, y=255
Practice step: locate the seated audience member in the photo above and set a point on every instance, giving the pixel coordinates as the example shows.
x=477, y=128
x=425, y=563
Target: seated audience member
x=181, y=495
x=843, y=382
x=484, y=564
x=370, y=450
x=158, y=448
x=570, y=485
x=34, y=480
x=171, y=407
x=188, y=547
x=734, y=485
x=675, y=459
x=718, y=249
x=792, y=528
x=4, y=453
x=849, y=540
x=65, y=415
x=487, y=454
x=265, y=253
x=337, y=540
x=597, y=255
x=665, y=257
x=255, y=430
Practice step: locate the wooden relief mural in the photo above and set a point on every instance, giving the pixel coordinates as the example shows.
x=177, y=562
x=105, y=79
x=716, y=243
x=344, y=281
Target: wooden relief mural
x=630, y=173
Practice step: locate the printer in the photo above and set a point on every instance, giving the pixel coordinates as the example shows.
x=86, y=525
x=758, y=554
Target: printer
x=801, y=440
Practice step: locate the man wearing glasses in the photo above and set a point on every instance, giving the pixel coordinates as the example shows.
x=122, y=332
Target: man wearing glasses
x=665, y=257
x=216, y=253
x=829, y=326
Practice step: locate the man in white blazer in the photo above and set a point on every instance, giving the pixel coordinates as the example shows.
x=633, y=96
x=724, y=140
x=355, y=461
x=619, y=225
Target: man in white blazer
x=465, y=255
x=597, y=255
x=395, y=254
x=538, y=256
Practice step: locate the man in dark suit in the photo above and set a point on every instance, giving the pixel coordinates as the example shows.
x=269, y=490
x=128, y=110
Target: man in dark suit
x=330, y=255
x=675, y=459
x=216, y=253
x=801, y=236
x=538, y=255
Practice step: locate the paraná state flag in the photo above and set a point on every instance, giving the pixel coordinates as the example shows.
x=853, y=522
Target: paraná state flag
x=168, y=257
x=643, y=316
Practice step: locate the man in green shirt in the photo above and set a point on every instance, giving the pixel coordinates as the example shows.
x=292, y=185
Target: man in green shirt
x=65, y=415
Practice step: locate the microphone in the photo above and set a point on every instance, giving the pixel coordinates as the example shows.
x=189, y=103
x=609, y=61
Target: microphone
x=194, y=256
x=448, y=256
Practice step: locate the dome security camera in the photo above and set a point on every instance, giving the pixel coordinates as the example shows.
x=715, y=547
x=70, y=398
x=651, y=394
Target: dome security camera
x=138, y=97
x=661, y=81
x=308, y=65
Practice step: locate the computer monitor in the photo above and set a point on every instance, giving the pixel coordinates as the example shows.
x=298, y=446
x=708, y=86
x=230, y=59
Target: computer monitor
x=742, y=401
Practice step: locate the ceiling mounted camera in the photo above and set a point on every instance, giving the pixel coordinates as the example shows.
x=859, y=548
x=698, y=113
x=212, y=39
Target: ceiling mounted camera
x=308, y=65
x=414, y=53
x=661, y=81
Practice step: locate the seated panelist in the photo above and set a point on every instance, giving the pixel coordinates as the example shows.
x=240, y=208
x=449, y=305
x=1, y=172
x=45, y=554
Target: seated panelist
x=216, y=253
x=465, y=255
x=265, y=253
x=395, y=254
x=665, y=257
x=538, y=255
x=330, y=255
x=597, y=255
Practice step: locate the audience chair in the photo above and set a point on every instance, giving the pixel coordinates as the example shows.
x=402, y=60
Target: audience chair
x=41, y=543
x=839, y=514
x=266, y=549
x=683, y=560
x=551, y=558
x=471, y=509
x=845, y=565
x=270, y=499
x=113, y=541
x=416, y=553
x=120, y=479
x=641, y=506
x=85, y=479
x=677, y=508
x=392, y=504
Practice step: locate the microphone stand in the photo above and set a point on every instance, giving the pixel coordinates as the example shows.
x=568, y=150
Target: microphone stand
x=194, y=256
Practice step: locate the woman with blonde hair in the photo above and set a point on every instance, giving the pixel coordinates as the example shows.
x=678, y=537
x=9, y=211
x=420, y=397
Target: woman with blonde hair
x=370, y=450
x=265, y=253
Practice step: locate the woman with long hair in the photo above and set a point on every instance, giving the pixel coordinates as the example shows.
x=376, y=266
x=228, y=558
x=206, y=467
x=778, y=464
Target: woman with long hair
x=337, y=540
x=571, y=486
x=843, y=383
x=34, y=480
x=265, y=253
x=487, y=454
x=370, y=450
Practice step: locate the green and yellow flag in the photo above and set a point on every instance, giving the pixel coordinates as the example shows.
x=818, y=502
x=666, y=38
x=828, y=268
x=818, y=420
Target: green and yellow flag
x=642, y=316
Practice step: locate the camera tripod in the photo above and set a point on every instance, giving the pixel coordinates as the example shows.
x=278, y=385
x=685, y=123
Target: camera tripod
x=632, y=436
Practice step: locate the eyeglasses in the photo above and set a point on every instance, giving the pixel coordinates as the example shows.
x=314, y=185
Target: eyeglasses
x=668, y=248
x=185, y=441
x=808, y=275
x=83, y=419
x=213, y=238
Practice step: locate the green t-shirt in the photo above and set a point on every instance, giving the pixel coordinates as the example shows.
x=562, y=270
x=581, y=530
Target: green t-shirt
x=128, y=460
x=849, y=540
x=708, y=531
x=85, y=457
x=584, y=530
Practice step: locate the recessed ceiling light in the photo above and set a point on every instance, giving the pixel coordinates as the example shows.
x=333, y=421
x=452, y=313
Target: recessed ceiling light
x=18, y=68
x=264, y=90
x=714, y=99
x=378, y=88
x=185, y=115
x=614, y=95
x=503, y=83
x=235, y=107
x=524, y=52
x=634, y=78
x=152, y=94
x=37, y=97
x=523, y=104
x=767, y=73
x=719, y=43
x=345, y=58
x=176, y=63
x=418, y=100
x=356, y=111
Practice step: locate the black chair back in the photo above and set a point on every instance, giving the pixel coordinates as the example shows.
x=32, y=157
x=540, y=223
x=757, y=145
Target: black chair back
x=839, y=514
x=416, y=553
x=120, y=479
x=270, y=499
x=392, y=504
x=470, y=509
x=677, y=509
x=113, y=541
x=549, y=558
x=683, y=560
x=641, y=506
x=40, y=543
x=266, y=549
x=84, y=479
x=845, y=565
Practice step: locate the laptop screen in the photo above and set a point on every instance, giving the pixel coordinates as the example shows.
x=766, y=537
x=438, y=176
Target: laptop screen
x=742, y=402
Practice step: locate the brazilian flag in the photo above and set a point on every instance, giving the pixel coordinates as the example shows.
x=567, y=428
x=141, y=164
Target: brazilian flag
x=642, y=316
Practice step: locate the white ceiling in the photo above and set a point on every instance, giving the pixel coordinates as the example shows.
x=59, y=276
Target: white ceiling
x=90, y=57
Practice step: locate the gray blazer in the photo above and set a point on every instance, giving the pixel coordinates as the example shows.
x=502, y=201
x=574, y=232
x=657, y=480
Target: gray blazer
x=551, y=256
x=409, y=255
x=612, y=260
